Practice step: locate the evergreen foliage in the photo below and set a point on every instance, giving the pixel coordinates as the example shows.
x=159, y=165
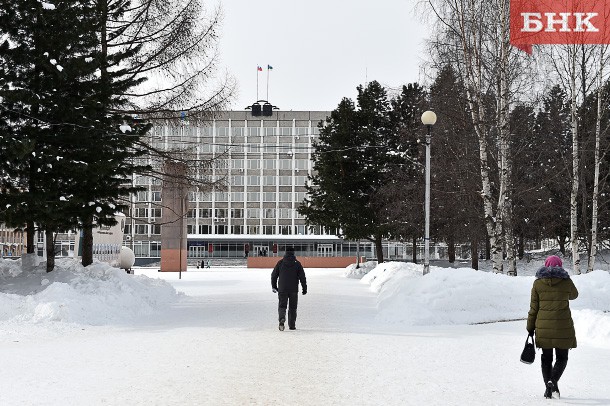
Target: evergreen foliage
x=358, y=150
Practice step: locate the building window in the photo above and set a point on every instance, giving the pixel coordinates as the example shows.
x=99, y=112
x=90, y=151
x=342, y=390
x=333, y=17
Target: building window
x=300, y=196
x=237, y=229
x=141, y=212
x=254, y=197
x=237, y=164
x=270, y=131
x=269, y=213
x=285, y=213
x=155, y=249
x=237, y=131
x=254, y=148
x=222, y=197
x=302, y=130
x=221, y=213
x=268, y=230
x=142, y=229
x=237, y=213
x=300, y=230
x=205, y=213
x=156, y=213
x=254, y=131
x=191, y=213
x=270, y=149
x=142, y=196
x=285, y=180
x=254, y=164
x=269, y=181
x=285, y=196
x=285, y=230
x=237, y=196
x=269, y=164
x=204, y=229
x=190, y=229
x=301, y=164
x=221, y=229
x=155, y=229
x=285, y=163
x=156, y=196
x=254, y=180
x=286, y=131
x=238, y=180
x=269, y=197
x=253, y=229
x=222, y=131
x=253, y=213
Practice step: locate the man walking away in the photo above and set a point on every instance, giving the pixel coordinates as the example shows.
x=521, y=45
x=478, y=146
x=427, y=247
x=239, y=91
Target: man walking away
x=290, y=272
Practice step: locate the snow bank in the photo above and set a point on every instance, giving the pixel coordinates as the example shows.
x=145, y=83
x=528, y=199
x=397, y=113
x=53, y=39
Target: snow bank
x=365, y=267
x=464, y=296
x=96, y=295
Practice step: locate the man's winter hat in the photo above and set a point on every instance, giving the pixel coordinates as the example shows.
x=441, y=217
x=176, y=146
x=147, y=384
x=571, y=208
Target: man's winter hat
x=552, y=261
x=290, y=249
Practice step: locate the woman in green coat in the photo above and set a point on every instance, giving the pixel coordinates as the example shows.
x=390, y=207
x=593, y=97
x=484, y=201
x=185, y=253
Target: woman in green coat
x=550, y=318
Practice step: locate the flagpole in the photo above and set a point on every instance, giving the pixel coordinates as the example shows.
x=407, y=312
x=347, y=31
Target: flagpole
x=268, y=82
x=257, y=82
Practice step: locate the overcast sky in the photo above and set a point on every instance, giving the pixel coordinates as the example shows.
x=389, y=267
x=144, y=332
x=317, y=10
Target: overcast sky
x=320, y=50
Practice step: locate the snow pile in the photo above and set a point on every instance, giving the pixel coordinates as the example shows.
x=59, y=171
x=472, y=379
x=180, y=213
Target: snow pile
x=464, y=296
x=96, y=295
x=365, y=267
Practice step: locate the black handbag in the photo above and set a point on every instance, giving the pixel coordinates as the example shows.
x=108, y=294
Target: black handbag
x=529, y=352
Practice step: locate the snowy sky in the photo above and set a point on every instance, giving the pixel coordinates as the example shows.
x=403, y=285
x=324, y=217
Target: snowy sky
x=319, y=50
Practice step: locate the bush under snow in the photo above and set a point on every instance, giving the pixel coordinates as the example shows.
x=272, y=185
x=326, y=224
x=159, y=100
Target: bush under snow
x=95, y=295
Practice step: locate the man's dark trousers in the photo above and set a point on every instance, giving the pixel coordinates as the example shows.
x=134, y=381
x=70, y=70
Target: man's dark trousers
x=290, y=300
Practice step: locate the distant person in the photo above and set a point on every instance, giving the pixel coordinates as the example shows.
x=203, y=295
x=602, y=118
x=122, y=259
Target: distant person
x=290, y=272
x=551, y=320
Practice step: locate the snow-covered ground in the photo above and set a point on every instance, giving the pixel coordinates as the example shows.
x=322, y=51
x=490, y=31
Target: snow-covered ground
x=98, y=336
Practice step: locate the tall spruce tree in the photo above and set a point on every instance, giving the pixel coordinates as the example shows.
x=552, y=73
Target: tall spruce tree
x=354, y=158
x=72, y=152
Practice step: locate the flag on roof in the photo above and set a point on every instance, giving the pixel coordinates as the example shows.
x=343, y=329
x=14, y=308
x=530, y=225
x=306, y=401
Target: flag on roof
x=258, y=68
x=269, y=67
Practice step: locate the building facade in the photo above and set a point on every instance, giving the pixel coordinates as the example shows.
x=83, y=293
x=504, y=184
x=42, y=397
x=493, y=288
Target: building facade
x=259, y=167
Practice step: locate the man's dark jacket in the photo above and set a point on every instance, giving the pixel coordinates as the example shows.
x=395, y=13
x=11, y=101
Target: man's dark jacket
x=290, y=272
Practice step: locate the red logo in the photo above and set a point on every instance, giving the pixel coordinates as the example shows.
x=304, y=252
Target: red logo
x=558, y=22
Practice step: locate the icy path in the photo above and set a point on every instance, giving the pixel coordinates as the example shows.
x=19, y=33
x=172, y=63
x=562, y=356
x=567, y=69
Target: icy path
x=221, y=346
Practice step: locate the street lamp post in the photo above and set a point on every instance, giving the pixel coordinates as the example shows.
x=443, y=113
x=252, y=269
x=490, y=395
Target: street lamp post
x=428, y=119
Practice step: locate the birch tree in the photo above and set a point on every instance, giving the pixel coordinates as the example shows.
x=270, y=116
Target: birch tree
x=474, y=36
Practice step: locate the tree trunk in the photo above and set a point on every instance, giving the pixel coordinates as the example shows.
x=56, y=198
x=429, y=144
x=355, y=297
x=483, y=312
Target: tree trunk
x=505, y=206
x=521, y=246
x=30, y=240
x=474, y=255
x=487, y=248
x=50, y=249
x=595, y=197
x=451, y=249
x=87, y=244
x=379, y=248
x=414, y=250
x=575, y=169
x=562, y=244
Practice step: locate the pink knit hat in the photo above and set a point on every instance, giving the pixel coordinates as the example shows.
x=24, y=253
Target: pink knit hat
x=552, y=261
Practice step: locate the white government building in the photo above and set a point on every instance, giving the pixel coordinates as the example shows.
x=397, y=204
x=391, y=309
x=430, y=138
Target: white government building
x=265, y=158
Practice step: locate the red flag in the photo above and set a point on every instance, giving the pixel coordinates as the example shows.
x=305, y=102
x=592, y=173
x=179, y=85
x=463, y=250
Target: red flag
x=258, y=68
x=558, y=22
